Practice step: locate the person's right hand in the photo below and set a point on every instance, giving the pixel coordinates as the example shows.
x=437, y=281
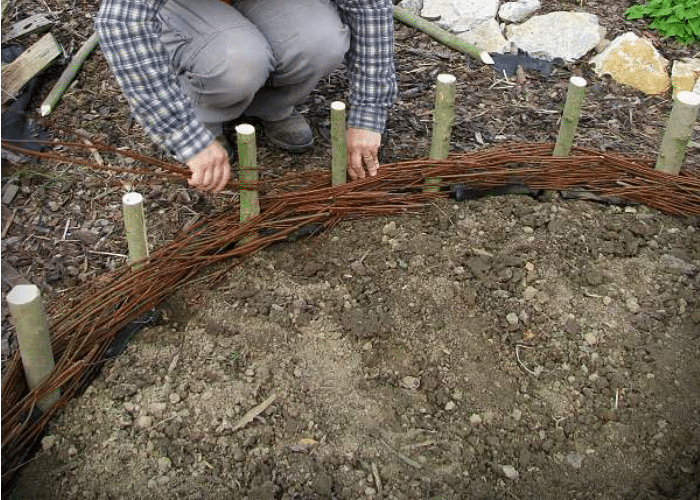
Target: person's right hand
x=210, y=168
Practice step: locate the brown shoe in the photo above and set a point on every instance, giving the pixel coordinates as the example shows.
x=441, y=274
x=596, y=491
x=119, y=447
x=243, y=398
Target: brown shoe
x=292, y=133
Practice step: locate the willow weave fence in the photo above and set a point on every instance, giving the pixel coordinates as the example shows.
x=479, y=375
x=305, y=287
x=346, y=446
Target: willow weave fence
x=84, y=323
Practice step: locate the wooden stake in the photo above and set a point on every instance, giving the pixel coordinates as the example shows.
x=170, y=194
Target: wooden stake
x=248, y=171
x=572, y=112
x=68, y=75
x=339, y=147
x=569, y=123
x=34, y=341
x=679, y=129
x=441, y=35
x=443, y=118
x=135, y=224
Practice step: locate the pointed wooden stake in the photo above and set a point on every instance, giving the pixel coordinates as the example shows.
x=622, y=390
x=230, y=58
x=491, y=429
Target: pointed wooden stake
x=248, y=171
x=339, y=165
x=679, y=129
x=135, y=225
x=32, y=327
x=570, y=118
x=443, y=118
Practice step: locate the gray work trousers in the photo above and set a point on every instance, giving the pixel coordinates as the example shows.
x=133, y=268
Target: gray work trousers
x=258, y=57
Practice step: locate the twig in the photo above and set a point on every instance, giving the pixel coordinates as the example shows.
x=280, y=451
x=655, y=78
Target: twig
x=250, y=416
x=403, y=457
x=377, y=480
x=9, y=223
x=517, y=355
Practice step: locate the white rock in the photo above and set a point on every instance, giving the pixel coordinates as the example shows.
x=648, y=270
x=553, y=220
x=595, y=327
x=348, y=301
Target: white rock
x=568, y=35
x=685, y=73
x=450, y=406
x=486, y=35
x=634, y=61
x=475, y=419
x=516, y=12
x=459, y=15
x=413, y=6
x=510, y=472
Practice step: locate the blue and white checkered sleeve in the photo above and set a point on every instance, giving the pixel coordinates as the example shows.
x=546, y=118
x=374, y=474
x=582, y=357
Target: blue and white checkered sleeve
x=127, y=30
x=370, y=61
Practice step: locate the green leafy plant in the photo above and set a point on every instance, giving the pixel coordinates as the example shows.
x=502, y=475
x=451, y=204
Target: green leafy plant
x=678, y=19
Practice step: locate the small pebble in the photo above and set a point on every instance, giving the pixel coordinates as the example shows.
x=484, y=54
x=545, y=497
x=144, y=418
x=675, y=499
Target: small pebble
x=510, y=472
x=632, y=305
x=164, y=464
x=175, y=398
x=590, y=338
x=410, y=382
x=530, y=293
x=607, y=300
x=512, y=319
x=450, y=406
x=48, y=442
x=144, y=422
x=475, y=419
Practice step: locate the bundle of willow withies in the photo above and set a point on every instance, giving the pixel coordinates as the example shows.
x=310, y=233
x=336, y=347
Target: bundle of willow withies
x=84, y=322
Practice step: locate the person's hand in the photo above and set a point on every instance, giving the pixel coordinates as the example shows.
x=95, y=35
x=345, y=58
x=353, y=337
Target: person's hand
x=362, y=148
x=210, y=168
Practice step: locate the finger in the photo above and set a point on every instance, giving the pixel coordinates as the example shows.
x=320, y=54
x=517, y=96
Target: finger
x=225, y=175
x=356, y=166
x=373, y=167
x=371, y=163
x=207, y=179
x=196, y=178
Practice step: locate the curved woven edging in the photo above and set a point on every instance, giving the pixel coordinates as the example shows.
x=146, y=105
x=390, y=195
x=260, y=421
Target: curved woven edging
x=84, y=323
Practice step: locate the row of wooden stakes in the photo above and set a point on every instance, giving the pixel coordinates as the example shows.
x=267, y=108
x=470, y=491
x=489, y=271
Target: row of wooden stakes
x=25, y=301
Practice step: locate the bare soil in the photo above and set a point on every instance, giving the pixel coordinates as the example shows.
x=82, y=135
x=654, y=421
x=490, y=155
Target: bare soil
x=499, y=348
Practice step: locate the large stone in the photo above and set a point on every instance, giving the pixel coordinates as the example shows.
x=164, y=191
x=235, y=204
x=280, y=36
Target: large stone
x=516, y=12
x=566, y=35
x=685, y=74
x=413, y=6
x=633, y=61
x=459, y=15
x=487, y=36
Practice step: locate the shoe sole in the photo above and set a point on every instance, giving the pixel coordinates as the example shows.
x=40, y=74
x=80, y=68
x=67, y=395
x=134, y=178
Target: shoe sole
x=292, y=148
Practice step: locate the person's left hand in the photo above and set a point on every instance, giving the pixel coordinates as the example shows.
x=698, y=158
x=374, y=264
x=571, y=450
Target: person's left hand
x=362, y=148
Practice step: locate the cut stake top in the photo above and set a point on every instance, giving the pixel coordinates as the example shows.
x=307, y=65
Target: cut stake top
x=22, y=294
x=688, y=98
x=338, y=105
x=578, y=81
x=446, y=78
x=245, y=129
x=132, y=198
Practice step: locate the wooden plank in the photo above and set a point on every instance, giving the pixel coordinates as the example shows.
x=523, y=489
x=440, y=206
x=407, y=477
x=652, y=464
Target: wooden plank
x=11, y=277
x=29, y=63
x=33, y=23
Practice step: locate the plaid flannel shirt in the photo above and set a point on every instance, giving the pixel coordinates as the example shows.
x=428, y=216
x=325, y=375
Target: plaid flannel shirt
x=128, y=32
